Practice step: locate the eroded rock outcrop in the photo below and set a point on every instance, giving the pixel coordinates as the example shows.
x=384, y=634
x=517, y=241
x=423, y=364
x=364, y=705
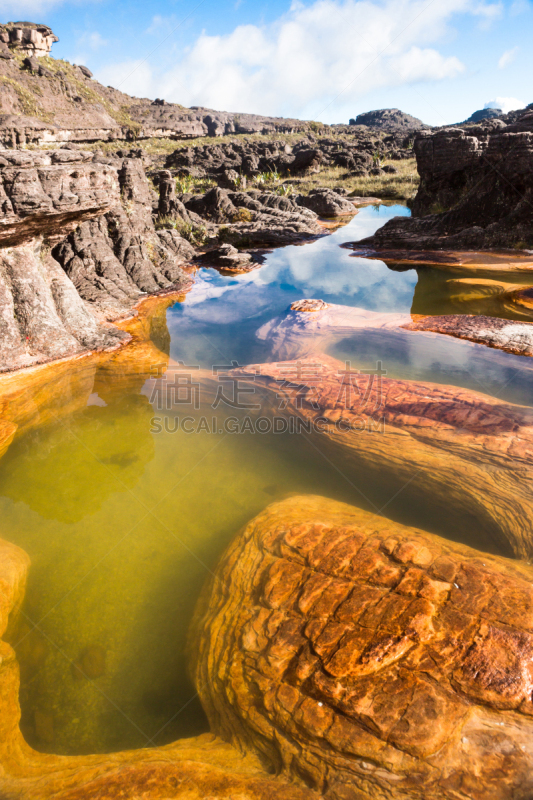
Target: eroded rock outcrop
x=28, y=37
x=43, y=196
x=389, y=119
x=479, y=185
x=254, y=218
x=77, y=246
x=371, y=659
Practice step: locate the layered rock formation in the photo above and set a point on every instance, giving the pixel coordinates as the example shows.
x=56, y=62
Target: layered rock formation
x=28, y=37
x=370, y=659
x=55, y=254
x=462, y=449
x=480, y=183
x=355, y=152
x=253, y=219
x=47, y=100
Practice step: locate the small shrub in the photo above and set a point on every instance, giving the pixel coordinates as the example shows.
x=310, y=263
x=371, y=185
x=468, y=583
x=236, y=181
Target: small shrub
x=242, y=215
x=184, y=184
x=283, y=190
x=225, y=234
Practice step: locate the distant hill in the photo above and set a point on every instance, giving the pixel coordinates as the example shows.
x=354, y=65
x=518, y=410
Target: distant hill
x=485, y=113
x=389, y=119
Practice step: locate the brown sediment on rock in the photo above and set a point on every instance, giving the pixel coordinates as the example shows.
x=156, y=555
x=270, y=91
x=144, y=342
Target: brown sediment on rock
x=477, y=260
x=503, y=334
x=310, y=305
x=44, y=394
x=461, y=448
x=370, y=658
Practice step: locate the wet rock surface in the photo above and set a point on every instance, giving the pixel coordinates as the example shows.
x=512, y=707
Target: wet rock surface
x=513, y=337
x=371, y=659
x=454, y=445
x=326, y=203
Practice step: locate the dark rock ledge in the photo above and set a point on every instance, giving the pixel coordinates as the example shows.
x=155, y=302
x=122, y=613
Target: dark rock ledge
x=476, y=191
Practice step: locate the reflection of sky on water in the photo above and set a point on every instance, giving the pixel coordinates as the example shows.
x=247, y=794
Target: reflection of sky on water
x=230, y=309
x=220, y=316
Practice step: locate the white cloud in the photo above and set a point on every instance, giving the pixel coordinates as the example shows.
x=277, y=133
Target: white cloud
x=519, y=6
x=93, y=40
x=488, y=12
x=330, y=50
x=508, y=57
x=505, y=103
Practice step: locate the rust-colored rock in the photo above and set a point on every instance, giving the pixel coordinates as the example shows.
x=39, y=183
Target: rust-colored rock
x=371, y=659
x=460, y=448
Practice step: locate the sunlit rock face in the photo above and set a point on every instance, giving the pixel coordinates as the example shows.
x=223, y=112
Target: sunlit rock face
x=28, y=37
x=371, y=659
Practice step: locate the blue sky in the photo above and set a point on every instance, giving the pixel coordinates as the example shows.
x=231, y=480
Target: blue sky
x=319, y=59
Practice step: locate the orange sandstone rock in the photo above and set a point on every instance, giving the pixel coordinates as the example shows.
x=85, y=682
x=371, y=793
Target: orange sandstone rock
x=371, y=659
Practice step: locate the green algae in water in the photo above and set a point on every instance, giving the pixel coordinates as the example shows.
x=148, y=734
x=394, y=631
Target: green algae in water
x=118, y=560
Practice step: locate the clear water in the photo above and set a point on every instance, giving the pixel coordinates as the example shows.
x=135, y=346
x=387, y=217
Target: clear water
x=123, y=524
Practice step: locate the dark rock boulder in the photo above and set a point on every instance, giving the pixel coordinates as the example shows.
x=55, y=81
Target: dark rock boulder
x=326, y=203
x=484, y=113
x=85, y=71
x=229, y=259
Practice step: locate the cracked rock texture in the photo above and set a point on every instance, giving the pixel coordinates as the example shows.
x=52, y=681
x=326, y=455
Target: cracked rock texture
x=256, y=218
x=370, y=659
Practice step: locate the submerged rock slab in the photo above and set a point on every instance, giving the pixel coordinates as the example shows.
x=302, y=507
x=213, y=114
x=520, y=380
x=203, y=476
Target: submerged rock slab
x=464, y=450
x=504, y=334
x=371, y=659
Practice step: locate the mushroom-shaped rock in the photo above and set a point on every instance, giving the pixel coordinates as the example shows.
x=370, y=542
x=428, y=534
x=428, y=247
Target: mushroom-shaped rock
x=368, y=658
x=309, y=305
